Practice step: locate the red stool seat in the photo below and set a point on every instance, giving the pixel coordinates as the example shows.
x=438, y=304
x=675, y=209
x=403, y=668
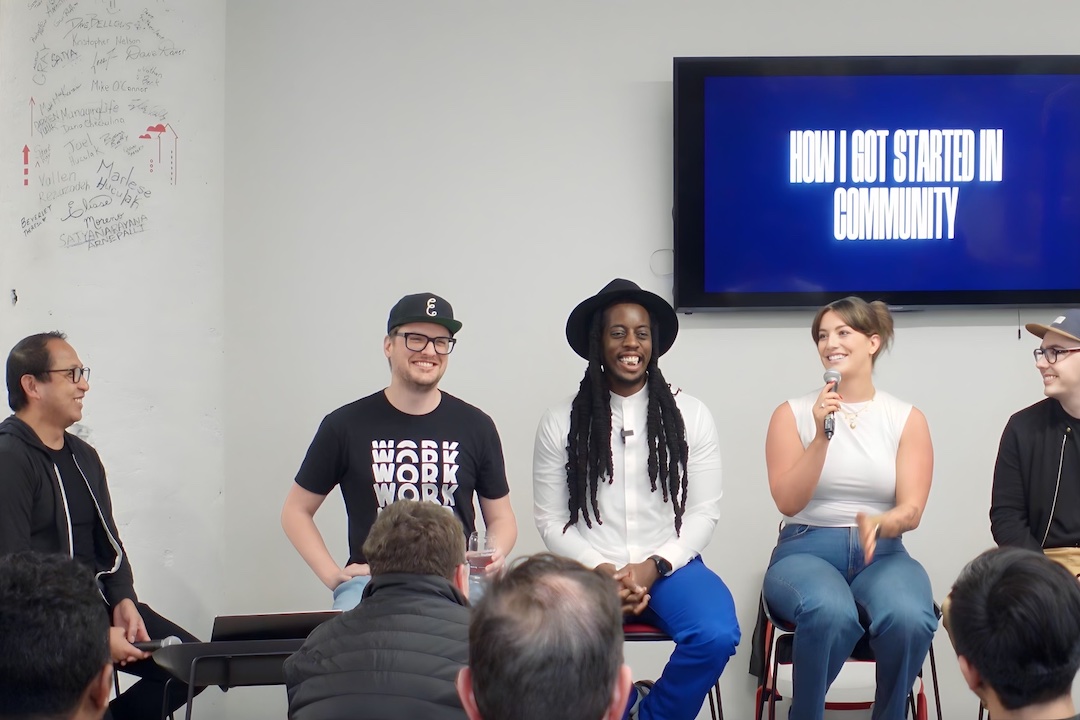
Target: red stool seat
x=637, y=631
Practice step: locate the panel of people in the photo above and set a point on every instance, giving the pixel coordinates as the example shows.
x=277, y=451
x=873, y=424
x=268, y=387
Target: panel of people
x=626, y=480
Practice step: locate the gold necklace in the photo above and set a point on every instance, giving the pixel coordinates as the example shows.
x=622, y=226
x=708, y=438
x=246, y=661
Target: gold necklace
x=853, y=417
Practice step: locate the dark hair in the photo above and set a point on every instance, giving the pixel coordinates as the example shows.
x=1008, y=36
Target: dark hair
x=415, y=537
x=1014, y=614
x=871, y=318
x=546, y=641
x=30, y=356
x=588, y=444
x=54, y=634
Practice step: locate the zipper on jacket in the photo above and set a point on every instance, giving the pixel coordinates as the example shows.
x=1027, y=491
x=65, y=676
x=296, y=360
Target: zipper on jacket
x=1057, y=486
x=108, y=533
x=67, y=512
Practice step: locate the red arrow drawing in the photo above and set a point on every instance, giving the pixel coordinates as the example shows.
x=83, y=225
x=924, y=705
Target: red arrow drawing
x=31, y=116
x=175, y=138
x=26, y=165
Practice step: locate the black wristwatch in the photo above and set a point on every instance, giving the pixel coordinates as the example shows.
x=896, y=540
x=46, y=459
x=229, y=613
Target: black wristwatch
x=662, y=566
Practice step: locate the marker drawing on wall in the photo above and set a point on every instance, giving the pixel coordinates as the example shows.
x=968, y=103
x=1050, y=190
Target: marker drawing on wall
x=159, y=130
x=96, y=74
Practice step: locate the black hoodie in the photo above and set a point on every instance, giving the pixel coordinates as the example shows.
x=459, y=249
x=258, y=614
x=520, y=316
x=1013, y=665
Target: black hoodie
x=33, y=509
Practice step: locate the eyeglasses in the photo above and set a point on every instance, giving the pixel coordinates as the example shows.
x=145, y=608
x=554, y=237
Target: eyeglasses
x=76, y=373
x=1052, y=354
x=417, y=342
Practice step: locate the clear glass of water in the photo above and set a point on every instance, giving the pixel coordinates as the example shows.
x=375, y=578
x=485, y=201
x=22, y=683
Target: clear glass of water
x=480, y=552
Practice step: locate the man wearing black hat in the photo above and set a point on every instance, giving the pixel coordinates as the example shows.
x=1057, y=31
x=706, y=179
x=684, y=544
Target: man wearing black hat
x=409, y=441
x=1036, y=497
x=626, y=478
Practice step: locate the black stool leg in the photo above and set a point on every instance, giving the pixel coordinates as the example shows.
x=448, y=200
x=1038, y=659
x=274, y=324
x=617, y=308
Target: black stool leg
x=933, y=675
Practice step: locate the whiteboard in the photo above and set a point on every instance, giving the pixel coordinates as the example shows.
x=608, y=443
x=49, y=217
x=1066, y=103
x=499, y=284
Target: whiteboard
x=111, y=182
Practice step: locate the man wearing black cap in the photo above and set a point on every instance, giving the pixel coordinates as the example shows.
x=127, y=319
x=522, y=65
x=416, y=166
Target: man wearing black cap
x=1036, y=497
x=409, y=441
x=626, y=478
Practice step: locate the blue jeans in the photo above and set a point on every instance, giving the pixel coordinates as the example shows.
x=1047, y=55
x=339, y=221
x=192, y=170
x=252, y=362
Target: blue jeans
x=348, y=594
x=695, y=608
x=818, y=581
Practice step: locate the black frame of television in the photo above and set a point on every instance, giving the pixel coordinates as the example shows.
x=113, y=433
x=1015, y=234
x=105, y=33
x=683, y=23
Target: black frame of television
x=690, y=74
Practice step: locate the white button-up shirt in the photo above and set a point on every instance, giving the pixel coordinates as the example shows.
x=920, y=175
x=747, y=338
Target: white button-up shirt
x=637, y=523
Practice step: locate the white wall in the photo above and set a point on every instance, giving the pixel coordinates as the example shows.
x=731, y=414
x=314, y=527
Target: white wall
x=514, y=158
x=144, y=310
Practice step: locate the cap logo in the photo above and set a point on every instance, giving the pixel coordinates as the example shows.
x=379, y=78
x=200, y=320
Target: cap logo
x=431, y=307
x=1058, y=320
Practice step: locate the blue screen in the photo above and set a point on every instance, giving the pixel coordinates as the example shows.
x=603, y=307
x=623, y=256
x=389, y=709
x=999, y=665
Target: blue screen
x=891, y=182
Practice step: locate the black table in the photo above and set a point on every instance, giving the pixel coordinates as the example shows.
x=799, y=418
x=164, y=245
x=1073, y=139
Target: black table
x=227, y=663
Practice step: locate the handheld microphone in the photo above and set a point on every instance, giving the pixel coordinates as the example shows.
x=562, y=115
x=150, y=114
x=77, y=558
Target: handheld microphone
x=152, y=645
x=831, y=376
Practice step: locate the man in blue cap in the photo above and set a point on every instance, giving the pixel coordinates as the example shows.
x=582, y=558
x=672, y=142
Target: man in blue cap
x=1036, y=498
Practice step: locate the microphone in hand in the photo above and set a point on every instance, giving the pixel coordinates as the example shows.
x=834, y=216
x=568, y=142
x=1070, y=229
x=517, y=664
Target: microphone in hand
x=831, y=376
x=152, y=645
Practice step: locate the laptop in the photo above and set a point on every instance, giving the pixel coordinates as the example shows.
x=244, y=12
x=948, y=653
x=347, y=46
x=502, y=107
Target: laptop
x=269, y=626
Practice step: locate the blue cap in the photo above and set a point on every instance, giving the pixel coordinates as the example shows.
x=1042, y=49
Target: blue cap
x=1067, y=324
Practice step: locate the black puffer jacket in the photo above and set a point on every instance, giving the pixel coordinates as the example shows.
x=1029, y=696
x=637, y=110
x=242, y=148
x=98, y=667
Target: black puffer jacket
x=396, y=655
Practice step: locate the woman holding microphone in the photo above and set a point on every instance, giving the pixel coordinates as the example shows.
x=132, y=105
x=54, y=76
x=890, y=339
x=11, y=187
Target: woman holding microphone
x=850, y=469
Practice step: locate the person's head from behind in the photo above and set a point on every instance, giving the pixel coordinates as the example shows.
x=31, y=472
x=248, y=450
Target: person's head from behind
x=1014, y=620
x=546, y=641
x=46, y=379
x=419, y=538
x=54, y=640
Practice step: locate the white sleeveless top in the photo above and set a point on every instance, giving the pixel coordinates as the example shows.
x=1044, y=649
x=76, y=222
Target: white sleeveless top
x=859, y=474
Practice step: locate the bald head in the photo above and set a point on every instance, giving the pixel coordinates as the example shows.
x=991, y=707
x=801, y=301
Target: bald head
x=545, y=641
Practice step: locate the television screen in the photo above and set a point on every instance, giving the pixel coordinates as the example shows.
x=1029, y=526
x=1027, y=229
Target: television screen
x=920, y=181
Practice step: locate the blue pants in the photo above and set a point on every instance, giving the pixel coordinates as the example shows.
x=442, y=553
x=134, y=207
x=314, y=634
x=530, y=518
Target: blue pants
x=817, y=580
x=695, y=608
x=348, y=594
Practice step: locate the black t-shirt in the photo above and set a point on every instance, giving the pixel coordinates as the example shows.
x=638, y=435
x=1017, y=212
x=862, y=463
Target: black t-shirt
x=379, y=454
x=1065, y=525
x=80, y=505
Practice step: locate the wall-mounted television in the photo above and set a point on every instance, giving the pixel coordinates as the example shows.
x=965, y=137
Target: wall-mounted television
x=920, y=181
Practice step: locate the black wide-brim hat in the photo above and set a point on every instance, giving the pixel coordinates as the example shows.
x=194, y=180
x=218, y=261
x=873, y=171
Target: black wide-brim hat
x=617, y=291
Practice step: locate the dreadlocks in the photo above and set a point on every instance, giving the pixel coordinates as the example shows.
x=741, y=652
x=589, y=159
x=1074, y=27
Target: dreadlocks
x=588, y=449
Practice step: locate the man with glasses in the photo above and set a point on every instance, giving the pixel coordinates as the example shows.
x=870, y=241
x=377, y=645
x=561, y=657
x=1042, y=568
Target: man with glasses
x=54, y=498
x=1036, y=496
x=409, y=441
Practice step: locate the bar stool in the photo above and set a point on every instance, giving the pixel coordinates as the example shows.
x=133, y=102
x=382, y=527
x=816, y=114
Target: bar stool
x=779, y=638
x=643, y=632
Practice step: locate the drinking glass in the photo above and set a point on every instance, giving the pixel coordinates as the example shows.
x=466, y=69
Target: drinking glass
x=480, y=553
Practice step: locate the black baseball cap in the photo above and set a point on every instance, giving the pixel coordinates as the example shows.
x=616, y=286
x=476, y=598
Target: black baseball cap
x=423, y=307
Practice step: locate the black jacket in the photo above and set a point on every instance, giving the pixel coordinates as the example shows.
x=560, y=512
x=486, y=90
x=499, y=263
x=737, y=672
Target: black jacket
x=33, y=513
x=395, y=655
x=1026, y=474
